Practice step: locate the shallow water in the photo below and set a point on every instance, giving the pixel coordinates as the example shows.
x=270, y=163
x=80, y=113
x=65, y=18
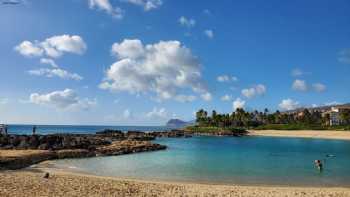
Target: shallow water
x=246, y=160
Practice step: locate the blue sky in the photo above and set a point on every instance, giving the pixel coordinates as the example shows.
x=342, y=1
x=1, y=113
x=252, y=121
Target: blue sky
x=141, y=62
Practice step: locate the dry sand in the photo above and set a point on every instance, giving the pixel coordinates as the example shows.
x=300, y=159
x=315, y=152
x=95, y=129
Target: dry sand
x=326, y=134
x=31, y=183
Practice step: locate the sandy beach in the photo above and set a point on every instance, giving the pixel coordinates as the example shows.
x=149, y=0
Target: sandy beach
x=61, y=183
x=321, y=134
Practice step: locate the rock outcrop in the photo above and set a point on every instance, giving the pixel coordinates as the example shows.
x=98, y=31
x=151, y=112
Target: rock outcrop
x=52, y=142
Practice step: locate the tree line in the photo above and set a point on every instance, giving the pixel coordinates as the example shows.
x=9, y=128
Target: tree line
x=242, y=118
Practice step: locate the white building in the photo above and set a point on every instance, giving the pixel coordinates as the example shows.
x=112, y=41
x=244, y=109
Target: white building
x=334, y=115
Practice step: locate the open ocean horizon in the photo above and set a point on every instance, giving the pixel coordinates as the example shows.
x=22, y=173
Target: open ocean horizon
x=78, y=129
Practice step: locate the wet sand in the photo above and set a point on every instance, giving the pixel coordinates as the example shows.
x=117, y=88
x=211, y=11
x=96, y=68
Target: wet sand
x=322, y=134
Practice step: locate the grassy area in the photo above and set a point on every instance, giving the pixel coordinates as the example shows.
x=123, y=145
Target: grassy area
x=300, y=127
x=198, y=129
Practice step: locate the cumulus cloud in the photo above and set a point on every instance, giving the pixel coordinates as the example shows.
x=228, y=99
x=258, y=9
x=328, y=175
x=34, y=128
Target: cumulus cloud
x=318, y=87
x=53, y=47
x=57, y=45
x=299, y=85
x=106, y=6
x=206, y=96
x=187, y=22
x=209, y=33
x=146, y=4
x=238, y=103
x=29, y=49
x=165, y=69
x=66, y=99
x=226, y=97
x=226, y=78
x=185, y=98
x=257, y=90
x=157, y=113
x=288, y=104
x=344, y=56
x=55, y=72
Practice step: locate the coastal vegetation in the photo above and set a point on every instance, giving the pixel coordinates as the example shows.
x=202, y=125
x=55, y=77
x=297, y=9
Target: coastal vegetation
x=304, y=119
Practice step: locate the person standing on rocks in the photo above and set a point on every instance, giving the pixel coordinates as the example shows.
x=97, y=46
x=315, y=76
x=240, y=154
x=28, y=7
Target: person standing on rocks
x=34, y=129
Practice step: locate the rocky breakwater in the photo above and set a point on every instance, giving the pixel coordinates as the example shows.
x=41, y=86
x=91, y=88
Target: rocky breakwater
x=207, y=131
x=144, y=136
x=19, y=151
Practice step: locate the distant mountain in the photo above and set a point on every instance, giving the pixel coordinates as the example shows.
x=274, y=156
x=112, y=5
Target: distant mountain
x=177, y=123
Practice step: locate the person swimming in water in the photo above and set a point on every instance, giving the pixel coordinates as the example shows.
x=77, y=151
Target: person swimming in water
x=319, y=165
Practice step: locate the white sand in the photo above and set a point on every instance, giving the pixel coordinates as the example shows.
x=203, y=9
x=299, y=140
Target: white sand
x=326, y=134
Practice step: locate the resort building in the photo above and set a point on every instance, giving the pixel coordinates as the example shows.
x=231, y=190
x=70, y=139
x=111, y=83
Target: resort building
x=334, y=115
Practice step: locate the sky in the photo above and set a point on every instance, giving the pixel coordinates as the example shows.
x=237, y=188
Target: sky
x=142, y=62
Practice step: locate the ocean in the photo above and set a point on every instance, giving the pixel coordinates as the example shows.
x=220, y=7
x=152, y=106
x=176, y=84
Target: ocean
x=78, y=129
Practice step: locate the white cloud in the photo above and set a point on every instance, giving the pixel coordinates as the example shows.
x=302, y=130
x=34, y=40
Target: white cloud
x=29, y=49
x=55, y=72
x=299, y=85
x=157, y=113
x=128, y=49
x=53, y=47
x=226, y=97
x=146, y=4
x=319, y=87
x=49, y=62
x=254, y=91
x=57, y=45
x=206, y=96
x=187, y=22
x=238, y=103
x=185, y=98
x=106, y=6
x=344, y=56
x=226, y=78
x=66, y=99
x=165, y=69
x=209, y=33
x=288, y=104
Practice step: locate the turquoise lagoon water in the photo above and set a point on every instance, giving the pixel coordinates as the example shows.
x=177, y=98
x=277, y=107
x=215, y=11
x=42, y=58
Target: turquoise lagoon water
x=245, y=160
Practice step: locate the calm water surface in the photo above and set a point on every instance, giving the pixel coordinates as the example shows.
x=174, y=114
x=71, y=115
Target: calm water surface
x=246, y=160
x=49, y=129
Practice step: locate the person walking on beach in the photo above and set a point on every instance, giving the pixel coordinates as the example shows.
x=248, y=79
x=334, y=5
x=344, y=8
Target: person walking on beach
x=319, y=165
x=34, y=130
